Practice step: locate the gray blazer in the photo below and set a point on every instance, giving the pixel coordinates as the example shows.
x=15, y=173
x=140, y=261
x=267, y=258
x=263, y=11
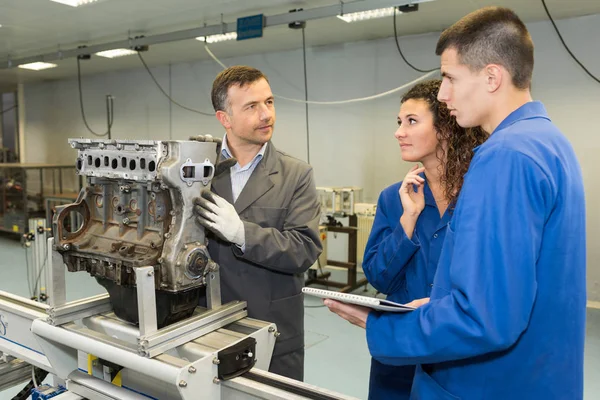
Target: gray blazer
x=280, y=209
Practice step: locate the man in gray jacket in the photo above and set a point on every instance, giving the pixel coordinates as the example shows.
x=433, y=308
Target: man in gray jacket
x=264, y=213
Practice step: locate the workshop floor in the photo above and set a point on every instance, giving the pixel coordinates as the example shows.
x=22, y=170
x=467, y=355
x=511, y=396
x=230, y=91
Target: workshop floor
x=337, y=357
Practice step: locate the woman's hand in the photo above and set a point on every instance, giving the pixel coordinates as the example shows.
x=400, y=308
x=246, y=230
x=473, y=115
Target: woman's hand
x=412, y=202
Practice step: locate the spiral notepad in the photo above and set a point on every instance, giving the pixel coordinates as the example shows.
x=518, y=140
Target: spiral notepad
x=365, y=301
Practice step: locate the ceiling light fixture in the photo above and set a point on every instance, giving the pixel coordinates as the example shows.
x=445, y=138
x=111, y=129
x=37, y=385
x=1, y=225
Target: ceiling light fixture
x=36, y=66
x=218, y=38
x=116, y=53
x=370, y=14
x=75, y=3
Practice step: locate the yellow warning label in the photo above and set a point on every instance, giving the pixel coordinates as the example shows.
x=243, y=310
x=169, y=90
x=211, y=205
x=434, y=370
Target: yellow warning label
x=117, y=381
x=90, y=360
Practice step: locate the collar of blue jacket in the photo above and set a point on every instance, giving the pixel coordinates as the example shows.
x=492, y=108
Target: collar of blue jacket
x=532, y=109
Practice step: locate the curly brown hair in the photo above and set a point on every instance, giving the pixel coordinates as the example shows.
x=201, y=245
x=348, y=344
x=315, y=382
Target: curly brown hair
x=454, y=162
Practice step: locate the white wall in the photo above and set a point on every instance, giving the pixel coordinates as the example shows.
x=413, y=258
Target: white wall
x=349, y=145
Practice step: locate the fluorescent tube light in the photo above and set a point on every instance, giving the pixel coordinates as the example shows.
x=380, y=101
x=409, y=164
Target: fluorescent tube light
x=371, y=14
x=218, y=38
x=36, y=66
x=75, y=3
x=116, y=53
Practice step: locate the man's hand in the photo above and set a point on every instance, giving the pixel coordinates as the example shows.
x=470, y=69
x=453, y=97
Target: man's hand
x=418, y=302
x=356, y=315
x=218, y=215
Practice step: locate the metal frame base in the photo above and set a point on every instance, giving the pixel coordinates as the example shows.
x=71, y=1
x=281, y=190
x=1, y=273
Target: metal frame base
x=150, y=340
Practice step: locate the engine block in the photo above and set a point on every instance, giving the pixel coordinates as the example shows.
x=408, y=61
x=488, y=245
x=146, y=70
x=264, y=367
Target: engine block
x=136, y=211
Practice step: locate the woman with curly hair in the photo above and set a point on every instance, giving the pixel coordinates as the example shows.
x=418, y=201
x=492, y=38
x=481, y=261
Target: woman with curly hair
x=410, y=224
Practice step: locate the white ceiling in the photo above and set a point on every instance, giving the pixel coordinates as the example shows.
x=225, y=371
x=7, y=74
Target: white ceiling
x=31, y=27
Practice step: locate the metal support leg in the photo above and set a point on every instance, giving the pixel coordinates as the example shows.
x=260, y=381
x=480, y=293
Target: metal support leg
x=56, y=277
x=34, y=250
x=40, y=254
x=48, y=210
x=146, y=297
x=59, y=311
x=213, y=287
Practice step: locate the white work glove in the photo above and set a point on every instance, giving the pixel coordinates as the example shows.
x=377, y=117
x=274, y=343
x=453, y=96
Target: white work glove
x=218, y=215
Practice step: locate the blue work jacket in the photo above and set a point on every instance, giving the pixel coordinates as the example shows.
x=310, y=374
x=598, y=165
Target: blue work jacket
x=403, y=269
x=506, y=318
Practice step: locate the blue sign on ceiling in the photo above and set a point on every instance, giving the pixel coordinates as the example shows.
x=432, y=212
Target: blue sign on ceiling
x=250, y=27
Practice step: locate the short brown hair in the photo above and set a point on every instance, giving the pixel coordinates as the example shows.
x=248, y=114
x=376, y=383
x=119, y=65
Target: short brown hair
x=461, y=142
x=237, y=75
x=492, y=35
